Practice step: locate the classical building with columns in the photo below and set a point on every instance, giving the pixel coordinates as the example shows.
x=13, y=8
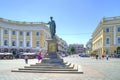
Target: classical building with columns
x=17, y=36
x=106, y=37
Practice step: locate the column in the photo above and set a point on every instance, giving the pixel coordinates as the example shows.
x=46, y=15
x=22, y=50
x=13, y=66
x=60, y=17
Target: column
x=17, y=40
x=24, y=39
x=31, y=39
x=9, y=37
x=114, y=33
x=2, y=37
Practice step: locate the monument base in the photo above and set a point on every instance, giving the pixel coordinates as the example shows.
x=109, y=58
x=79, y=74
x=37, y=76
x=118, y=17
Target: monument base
x=53, y=57
x=52, y=61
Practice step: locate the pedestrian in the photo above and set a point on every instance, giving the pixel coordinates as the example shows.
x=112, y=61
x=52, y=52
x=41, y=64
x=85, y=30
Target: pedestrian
x=97, y=56
x=26, y=59
x=107, y=56
x=39, y=57
x=102, y=56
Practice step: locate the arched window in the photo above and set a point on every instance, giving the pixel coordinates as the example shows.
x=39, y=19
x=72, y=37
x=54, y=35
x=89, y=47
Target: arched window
x=5, y=50
x=13, y=43
x=5, y=42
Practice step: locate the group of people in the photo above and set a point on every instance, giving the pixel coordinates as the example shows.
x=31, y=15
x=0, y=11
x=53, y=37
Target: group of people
x=39, y=57
x=102, y=57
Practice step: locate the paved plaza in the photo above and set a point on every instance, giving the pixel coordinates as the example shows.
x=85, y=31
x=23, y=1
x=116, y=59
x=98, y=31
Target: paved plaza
x=93, y=70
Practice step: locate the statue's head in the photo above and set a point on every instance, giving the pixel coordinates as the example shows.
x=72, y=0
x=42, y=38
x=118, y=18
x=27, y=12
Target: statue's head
x=51, y=17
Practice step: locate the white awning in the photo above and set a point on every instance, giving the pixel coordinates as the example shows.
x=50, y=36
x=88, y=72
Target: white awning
x=6, y=53
x=29, y=54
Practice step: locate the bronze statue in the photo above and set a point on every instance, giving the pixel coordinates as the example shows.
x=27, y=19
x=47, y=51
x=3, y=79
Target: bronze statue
x=52, y=27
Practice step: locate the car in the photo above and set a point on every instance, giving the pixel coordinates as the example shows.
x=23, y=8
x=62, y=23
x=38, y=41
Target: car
x=84, y=55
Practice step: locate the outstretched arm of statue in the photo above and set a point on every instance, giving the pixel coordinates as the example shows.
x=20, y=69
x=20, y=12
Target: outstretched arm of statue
x=47, y=23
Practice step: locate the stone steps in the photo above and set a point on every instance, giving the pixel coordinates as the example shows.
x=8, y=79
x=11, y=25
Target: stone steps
x=38, y=66
x=36, y=71
x=46, y=64
x=50, y=68
x=47, y=69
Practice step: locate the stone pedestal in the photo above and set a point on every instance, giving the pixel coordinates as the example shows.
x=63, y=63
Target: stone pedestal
x=53, y=57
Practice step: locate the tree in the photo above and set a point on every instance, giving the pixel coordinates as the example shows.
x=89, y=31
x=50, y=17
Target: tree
x=71, y=49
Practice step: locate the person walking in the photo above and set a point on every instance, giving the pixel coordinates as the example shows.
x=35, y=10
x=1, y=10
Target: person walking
x=39, y=57
x=107, y=56
x=97, y=56
x=26, y=59
x=103, y=56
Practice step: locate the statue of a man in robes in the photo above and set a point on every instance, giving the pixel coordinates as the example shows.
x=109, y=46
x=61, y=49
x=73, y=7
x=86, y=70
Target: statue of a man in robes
x=52, y=27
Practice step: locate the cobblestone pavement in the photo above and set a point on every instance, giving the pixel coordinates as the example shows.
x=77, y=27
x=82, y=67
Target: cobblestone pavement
x=101, y=69
x=93, y=70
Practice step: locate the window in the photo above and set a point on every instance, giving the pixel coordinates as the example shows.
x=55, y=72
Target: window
x=13, y=43
x=21, y=33
x=5, y=42
x=28, y=44
x=28, y=33
x=107, y=29
x=108, y=51
x=21, y=44
x=37, y=44
x=107, y=41
x=5, y=31
x=13, y=32
x=118, y=29
x=118, y=40
x=37, y=33
x=118, y=51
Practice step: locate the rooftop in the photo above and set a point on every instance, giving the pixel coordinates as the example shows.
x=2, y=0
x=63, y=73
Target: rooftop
x=20, y=22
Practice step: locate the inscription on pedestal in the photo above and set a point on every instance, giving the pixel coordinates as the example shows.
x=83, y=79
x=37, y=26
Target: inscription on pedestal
x=53, y=57
x=52, y=47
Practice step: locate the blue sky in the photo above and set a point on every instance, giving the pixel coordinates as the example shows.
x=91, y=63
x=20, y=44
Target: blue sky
x=75, y=19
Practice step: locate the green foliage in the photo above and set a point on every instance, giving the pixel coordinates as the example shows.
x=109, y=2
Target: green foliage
x=71, y=49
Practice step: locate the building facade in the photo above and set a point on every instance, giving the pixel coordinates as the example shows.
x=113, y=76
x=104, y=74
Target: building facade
x=17, y=36
x=79, y=48
x=62, y=46
x=106, y=37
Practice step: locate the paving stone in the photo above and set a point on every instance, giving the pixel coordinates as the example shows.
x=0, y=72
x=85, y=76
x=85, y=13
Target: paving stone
x=94, y=70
